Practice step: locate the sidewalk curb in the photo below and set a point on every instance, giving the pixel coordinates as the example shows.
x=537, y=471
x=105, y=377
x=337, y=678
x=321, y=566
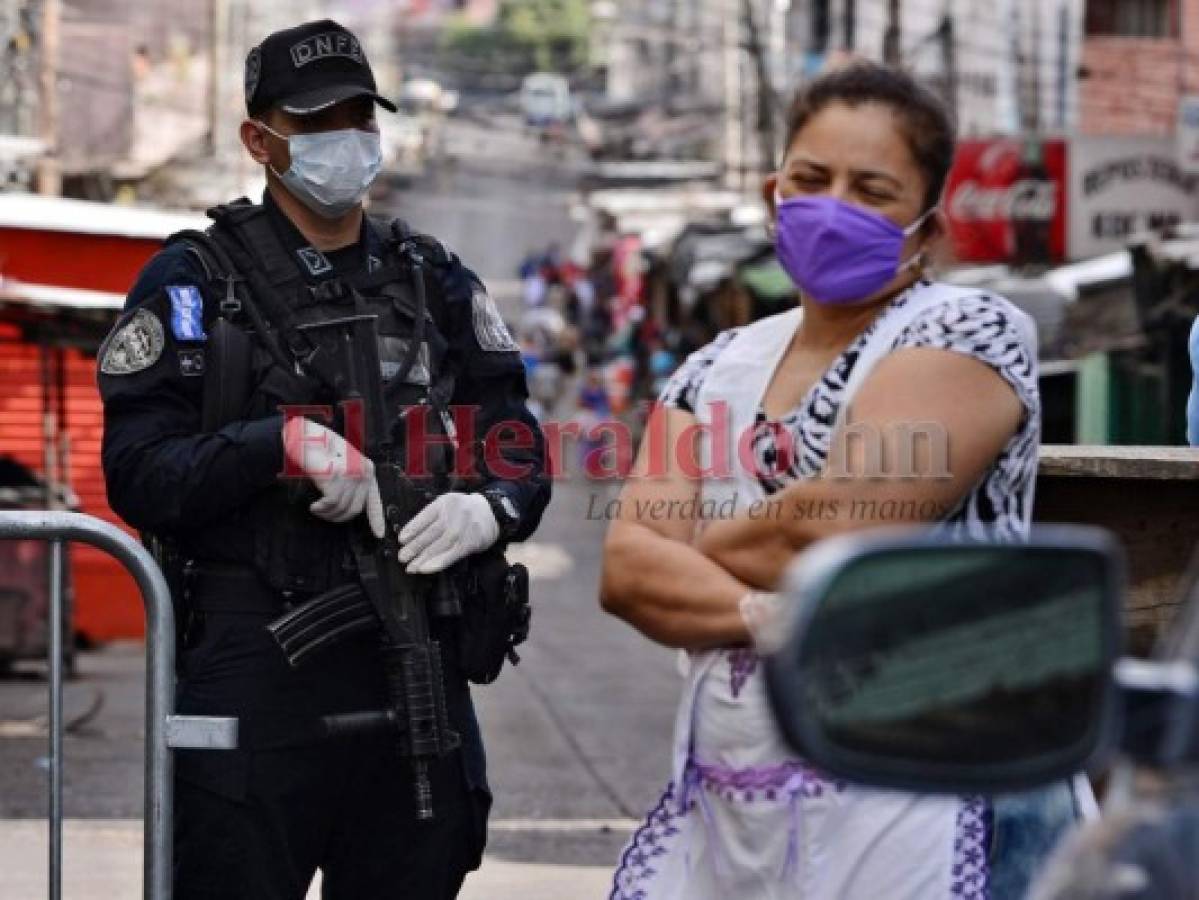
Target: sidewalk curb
x=102, y=860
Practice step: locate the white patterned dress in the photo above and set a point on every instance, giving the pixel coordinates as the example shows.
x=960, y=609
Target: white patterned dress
x=749, y=819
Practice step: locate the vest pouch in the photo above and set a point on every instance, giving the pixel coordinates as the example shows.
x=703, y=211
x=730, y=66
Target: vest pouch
x=229, y=375
x=274, y=387
x=495, y=615
x=295, y=550
x=396, y=320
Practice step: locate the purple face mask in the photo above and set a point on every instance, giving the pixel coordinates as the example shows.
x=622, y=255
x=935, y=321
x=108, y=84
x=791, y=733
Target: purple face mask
x=836, y=252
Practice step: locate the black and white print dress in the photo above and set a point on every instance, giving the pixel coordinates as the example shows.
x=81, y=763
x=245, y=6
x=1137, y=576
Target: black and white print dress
x=751, y=820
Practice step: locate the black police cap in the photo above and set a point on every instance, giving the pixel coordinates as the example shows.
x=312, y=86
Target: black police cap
x=305, y=69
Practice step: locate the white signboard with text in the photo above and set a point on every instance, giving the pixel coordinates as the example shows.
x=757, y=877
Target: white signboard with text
x=1122, y=185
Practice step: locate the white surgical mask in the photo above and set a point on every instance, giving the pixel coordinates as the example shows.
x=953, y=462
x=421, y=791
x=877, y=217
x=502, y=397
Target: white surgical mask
x=331, y=171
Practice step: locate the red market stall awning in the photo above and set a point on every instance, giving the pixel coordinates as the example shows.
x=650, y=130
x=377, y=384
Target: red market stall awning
x=50, y=315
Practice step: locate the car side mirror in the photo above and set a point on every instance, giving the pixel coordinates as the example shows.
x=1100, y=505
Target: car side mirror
x=913, y=663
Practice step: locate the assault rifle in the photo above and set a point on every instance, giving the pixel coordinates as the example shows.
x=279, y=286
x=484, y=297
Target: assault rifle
x=345, y=355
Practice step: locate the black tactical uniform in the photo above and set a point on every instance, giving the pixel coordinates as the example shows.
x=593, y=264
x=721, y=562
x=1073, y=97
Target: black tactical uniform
x=258, y=821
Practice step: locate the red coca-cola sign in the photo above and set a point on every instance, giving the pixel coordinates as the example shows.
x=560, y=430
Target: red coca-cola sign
x=1006, y=201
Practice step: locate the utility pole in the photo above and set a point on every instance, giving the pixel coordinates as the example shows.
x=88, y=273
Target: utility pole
x=730, y=26
x=1034, y=69
x=1031, y=234
x=1063, y=64
x=765, y=91
x=949, y=61
x=670, y=51
x=694, y=58
x=1019, y=71
x=218, y=54
x=892, y=55
x=849, y=26
x=49, y=170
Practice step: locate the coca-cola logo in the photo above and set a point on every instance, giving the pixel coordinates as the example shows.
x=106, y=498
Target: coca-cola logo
x=1029, y=199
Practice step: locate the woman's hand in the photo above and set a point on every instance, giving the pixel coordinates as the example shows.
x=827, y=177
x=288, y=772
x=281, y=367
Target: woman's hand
x=653, y=576
x=925, y=427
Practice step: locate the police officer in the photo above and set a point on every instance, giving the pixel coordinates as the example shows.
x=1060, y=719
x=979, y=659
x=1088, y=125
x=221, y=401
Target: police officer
x=193, y=378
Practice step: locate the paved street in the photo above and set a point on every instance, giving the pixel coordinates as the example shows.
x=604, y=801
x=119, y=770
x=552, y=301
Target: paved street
x=497, y=195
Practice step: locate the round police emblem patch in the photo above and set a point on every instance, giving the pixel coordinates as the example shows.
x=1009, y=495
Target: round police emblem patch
x=134, y=346
x=253, y=72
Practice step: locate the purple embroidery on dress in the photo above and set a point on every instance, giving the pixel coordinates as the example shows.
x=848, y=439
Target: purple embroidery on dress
x=792, y=781
x=636, y=863
x=742, y=663
x=791, y=778
x=971, y=872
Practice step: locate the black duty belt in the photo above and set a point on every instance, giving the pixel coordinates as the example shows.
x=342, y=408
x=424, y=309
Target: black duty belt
x=217, y=588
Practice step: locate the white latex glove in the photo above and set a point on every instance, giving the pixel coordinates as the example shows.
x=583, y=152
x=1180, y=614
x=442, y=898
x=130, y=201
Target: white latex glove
x=450, y=528
x=345, y=478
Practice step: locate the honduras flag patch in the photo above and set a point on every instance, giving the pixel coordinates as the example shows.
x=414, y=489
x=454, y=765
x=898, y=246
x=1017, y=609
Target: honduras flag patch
x=187, y=313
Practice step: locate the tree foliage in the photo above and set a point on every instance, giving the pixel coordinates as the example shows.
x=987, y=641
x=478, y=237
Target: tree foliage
x=528, y=35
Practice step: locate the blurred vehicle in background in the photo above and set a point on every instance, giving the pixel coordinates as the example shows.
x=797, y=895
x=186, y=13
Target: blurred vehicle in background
x=546, y=101
x=405, y=153
x=907, y=662
x=424, y=97
x=413, y=137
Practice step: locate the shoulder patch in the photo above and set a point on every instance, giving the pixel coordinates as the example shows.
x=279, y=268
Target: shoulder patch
x=134, y=346
x=187, y=312
x=191, y=362
x=490, y=330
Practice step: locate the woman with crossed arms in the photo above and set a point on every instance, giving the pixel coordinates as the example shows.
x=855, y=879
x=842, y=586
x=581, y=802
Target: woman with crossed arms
x=856, y=215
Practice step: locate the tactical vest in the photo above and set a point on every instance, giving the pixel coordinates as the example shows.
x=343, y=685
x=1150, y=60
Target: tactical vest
x=256, y=366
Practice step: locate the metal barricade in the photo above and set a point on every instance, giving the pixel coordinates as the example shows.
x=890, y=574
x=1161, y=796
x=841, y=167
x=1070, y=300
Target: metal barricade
x=164, y=730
